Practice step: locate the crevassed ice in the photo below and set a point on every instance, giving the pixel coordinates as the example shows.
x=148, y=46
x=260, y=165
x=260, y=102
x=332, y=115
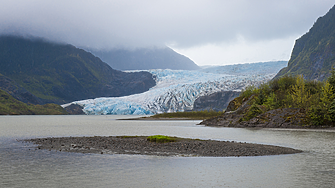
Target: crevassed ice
x=175, y=90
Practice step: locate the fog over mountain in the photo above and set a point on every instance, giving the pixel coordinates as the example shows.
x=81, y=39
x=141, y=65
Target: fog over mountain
x=145, y=58
x=237, y=31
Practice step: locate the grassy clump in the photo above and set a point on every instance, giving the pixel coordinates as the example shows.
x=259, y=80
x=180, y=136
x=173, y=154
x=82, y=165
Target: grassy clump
x=191, y=115
x=160, y=139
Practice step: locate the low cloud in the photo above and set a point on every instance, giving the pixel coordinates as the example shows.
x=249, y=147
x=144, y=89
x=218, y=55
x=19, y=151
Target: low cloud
x=133, y=23
x=188, y=26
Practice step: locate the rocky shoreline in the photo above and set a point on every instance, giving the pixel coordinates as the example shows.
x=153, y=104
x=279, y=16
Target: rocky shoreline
x=140, y=146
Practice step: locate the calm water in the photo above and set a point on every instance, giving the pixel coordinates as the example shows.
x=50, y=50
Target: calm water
x=23, y=166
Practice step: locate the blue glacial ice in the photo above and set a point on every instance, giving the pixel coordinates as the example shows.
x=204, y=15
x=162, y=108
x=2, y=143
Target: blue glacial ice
x=175, y=90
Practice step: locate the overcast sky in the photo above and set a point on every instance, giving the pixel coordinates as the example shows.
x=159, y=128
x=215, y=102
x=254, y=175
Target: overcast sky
x=210, y=32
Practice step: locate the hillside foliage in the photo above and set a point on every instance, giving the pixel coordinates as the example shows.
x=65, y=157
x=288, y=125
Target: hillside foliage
x=314, y=97
x=10, y=106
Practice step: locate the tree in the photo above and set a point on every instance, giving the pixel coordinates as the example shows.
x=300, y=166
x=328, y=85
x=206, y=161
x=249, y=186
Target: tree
x=253, y=111
x=327, y=95
x=331, y=78
x=331, y=111
x=271, y=102
x=316, y=115
x=300, y=97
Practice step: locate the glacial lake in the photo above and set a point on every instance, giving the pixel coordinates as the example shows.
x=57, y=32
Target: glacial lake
x=21, y=165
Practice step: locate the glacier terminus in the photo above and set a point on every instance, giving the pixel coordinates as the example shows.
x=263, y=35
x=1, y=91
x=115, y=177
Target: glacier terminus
x=176, y=90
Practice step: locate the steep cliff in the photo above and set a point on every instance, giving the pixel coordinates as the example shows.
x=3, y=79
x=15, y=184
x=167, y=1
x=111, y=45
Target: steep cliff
x=313, y=54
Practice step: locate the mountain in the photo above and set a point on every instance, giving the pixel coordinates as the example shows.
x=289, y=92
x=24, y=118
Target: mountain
x=10, y=106
x=145, y=59
x=313, y=54
x=62, y=73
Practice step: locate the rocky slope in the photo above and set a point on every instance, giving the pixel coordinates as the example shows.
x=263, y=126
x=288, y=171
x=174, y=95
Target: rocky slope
x=217, y=101
x=145, y=59
x=61, y=73
x=313, y=54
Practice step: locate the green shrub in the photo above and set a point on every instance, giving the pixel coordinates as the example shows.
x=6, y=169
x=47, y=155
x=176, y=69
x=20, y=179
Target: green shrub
x=248, y=91
x=252, y=112
x=285, y=82
x=331, y=78
x=331, y=112
x=316, y=115
x=271, y=102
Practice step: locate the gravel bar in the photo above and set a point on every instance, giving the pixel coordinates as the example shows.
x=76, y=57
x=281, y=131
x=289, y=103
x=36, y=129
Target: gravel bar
x=140, y=146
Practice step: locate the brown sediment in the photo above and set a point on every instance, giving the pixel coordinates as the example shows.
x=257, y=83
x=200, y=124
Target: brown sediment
x=139, y=145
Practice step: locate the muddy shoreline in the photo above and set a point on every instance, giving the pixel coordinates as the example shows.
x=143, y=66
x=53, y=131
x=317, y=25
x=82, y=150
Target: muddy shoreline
x=138, y=145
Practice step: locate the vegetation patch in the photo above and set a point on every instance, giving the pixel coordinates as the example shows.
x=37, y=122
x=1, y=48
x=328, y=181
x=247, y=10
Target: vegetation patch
x=10, y=106
x=286, y=102
x=161, y=139
x=315, y=99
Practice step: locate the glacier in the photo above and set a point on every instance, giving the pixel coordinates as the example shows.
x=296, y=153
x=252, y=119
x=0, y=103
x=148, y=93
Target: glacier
x=247, y=68
x=175, y=90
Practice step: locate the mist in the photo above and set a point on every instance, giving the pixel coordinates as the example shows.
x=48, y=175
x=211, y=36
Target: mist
x=105, y=24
